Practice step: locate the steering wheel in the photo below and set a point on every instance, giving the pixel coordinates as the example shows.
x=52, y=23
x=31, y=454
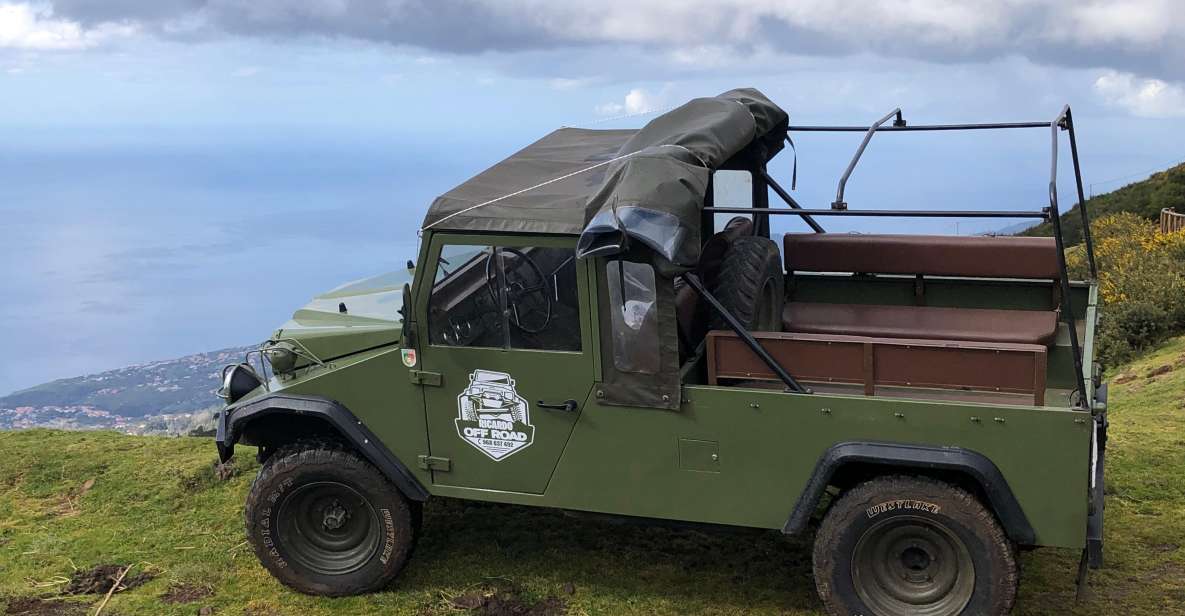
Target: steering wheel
x=527, y=291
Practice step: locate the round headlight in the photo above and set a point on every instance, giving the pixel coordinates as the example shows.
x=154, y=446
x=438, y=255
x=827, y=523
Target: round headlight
x=237, y=381
x=281, y=358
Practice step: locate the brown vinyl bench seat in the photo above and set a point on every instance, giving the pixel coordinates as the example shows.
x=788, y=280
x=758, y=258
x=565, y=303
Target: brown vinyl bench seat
x=922, y=322
x=1026, y=258
x=930, y=255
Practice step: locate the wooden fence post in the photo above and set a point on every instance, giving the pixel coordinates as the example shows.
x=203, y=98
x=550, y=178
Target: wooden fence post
x=1171, y=221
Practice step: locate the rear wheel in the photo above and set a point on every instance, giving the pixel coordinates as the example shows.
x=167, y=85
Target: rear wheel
x=898, y=546
x=323, y=521
x=750, y=284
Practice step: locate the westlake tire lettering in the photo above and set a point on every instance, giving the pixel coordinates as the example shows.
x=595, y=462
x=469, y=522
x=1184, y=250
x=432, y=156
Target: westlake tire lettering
x=388, y=536
x=895, y=505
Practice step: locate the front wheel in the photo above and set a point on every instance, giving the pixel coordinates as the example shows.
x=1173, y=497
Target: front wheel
x=323, y=521
x=902, y=546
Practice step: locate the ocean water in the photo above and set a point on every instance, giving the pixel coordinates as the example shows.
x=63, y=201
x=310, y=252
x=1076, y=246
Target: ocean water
x=125, y=249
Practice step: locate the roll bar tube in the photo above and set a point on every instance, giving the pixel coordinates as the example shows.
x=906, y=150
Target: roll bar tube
x=839, y=203
x=1067, y=308
x=1063, y=121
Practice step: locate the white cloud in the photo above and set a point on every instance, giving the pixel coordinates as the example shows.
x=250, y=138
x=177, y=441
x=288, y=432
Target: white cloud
x=636, y=101
x=1138, y=22
x=1151, y=98
x=33, y=27
x=1136, y=36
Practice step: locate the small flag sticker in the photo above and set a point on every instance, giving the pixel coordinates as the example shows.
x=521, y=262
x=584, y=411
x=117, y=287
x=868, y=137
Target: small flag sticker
x=409, y=357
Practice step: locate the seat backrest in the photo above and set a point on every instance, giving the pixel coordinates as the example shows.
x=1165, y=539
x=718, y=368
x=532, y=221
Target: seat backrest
x=934, y=255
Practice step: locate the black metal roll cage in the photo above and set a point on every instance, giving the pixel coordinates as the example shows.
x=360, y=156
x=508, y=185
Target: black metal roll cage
x=1064, y=122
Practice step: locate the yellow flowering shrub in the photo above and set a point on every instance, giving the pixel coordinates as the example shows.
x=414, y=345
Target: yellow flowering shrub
x=1141, y=281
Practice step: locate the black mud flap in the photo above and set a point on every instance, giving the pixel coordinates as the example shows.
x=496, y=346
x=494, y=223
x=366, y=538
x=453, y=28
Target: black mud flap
x=1094, y=521
x=1092, y=554
x=225, y=449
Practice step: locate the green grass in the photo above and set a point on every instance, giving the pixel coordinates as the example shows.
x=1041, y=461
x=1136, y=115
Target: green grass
x=154, y=503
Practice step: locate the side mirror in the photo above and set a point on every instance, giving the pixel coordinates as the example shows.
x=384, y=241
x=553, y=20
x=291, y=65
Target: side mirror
x=409, y=328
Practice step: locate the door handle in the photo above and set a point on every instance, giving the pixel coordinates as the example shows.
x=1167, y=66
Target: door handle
x=568, y=406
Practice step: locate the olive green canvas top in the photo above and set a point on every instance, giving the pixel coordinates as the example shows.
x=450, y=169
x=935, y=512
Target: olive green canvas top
x=502, y=199
x=614, y=187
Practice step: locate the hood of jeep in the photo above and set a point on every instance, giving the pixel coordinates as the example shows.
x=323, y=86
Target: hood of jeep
x=354, y=317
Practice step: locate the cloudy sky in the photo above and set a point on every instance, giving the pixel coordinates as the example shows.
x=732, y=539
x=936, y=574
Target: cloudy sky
x=178, y=175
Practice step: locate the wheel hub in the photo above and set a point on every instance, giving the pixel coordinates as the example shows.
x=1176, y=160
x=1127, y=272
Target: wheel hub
x=328, y=527
x=911, y=565
x=334, y=516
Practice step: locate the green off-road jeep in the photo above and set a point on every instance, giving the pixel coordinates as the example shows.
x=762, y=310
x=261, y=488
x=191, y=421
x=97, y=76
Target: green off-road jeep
x=602, y=323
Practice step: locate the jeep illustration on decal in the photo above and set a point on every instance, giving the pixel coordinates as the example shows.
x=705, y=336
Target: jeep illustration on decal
x=492, y=417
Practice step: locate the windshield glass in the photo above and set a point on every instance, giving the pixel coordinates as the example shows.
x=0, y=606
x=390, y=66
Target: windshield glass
x=381, y=296
x=454, y=257
x=378, y=297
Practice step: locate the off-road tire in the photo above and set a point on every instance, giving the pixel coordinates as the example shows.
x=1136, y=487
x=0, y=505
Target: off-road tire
x=290, y=492
x=910, y=517
x=750, y=284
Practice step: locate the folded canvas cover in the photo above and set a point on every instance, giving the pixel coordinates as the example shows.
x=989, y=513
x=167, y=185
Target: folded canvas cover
x=615, y=188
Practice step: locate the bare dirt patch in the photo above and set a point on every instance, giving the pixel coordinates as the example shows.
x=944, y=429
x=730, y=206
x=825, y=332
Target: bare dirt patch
x=209, y=475
x=100, y=579
x=1165, y=369
x=34, y=606
x=186, y=593
x=68, y=505
x=507, y=600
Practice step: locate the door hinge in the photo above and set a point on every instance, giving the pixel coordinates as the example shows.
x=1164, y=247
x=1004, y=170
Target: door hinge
x=423, y=377
x=434, y=463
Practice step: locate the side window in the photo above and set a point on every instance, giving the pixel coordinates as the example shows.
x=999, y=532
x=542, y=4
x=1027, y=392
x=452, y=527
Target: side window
x=731, y=188
x=542, y=302
x=633, y=312
x=464, y=307
x=505, y=297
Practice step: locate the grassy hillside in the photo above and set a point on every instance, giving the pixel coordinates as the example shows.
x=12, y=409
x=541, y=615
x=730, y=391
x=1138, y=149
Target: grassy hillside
x=154, y=397
x=175, y=385
x=71, y=501
x=1145, y=198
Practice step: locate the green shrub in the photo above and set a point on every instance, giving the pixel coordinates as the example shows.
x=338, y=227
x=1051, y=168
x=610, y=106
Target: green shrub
x=1130, y=327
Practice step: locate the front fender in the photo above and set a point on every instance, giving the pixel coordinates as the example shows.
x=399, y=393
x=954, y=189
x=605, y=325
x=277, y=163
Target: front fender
x=232, y=422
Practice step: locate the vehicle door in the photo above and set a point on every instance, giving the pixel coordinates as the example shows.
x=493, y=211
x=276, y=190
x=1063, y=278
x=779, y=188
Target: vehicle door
x=505, y=325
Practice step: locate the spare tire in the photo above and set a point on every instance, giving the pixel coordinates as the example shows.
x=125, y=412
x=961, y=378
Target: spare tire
x=750, y=285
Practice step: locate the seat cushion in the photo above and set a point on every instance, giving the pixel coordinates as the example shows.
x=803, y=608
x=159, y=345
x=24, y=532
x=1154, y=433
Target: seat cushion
x=930, y=255
x=926, y=322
